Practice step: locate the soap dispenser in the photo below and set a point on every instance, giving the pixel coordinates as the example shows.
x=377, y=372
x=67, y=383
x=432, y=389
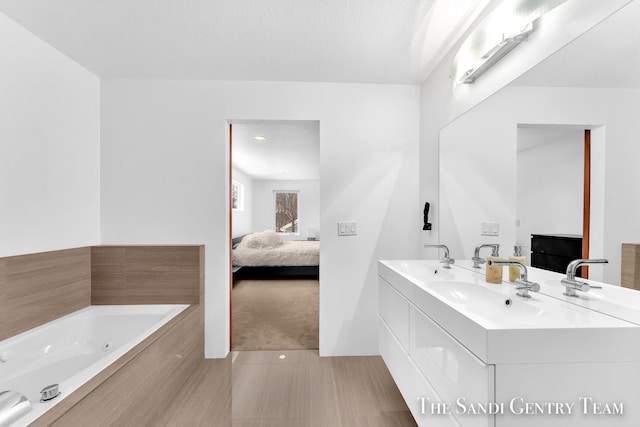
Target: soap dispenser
x=514, y=270
x=493, y=273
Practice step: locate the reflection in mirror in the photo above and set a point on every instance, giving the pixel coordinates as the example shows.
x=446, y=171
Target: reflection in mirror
x=592, y=83
x=550, y=170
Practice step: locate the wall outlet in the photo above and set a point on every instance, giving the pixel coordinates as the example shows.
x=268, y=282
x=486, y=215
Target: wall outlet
x=490, y=229
x=347, y=228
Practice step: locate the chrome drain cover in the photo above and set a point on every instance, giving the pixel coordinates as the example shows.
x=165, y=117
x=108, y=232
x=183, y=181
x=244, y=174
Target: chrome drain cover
x=49, y=392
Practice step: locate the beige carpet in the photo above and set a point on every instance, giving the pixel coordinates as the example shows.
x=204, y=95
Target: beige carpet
x=275, y=315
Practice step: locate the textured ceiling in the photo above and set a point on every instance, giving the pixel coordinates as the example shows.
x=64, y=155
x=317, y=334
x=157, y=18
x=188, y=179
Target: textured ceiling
x=356, y=41
x=287, y=40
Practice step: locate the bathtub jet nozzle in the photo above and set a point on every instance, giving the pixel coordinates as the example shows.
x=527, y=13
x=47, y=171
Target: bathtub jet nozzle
x=49, y=392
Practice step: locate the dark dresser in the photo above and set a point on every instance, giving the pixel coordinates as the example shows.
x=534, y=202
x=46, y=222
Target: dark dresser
x=555, y=251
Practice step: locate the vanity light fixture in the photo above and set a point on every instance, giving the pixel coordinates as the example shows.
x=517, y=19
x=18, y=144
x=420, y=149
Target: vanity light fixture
x=260, y=138
x=496, y=35
x=495, y=54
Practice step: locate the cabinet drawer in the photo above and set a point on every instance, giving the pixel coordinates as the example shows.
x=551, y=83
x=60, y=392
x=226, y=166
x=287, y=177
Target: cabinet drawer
x=394, y=310
x=395, y=357
x=410, y=381
x=450, y=368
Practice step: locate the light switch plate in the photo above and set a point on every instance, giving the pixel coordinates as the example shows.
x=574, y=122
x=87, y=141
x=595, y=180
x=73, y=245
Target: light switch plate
x=347, y=228
x=490, y=229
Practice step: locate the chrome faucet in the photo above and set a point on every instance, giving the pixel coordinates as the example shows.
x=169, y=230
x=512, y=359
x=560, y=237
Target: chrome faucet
x=523, y=283
x=570, y=282
x=446, y=261
x=477, y=261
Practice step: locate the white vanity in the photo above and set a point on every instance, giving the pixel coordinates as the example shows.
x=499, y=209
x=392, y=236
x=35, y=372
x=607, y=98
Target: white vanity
x=464, y=352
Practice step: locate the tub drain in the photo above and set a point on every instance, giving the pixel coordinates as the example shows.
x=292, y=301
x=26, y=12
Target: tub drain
x=107, y=346
x=49, y=392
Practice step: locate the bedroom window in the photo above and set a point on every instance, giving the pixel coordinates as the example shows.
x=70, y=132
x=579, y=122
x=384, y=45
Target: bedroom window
x=237, y=196
x=286, y=211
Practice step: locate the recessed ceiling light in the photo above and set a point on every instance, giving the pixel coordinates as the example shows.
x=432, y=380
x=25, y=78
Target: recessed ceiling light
x=260, y=138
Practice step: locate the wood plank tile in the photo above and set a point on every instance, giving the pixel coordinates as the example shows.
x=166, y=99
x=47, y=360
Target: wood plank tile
x=280, y=397
x=388, y=397
x=630, y=266
x=90, y=386
x=242, y=392
x=393, y=420
x=140, y=391
x=201, y=271
x=3, y=299
x=108, y=255
x=252, y=357
x=205, y=400
x=44, y=286
x=306, y=390
x=147, y=274
x=294, y=356
x=108, y=275
x=248, y=390
x=300, y=422
x=323, y=394
x=344, y=387
x=170, y=255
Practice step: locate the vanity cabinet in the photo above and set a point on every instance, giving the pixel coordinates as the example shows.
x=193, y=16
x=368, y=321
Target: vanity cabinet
x=462, y=357
x=422, y=358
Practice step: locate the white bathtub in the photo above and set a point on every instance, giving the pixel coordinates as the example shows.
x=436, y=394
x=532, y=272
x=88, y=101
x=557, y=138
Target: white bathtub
x=72, y=349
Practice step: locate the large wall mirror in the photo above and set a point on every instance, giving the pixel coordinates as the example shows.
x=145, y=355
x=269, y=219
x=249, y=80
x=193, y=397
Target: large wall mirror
x=516, y=159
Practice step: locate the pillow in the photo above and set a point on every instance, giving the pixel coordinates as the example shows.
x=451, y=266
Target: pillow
x=267, y=239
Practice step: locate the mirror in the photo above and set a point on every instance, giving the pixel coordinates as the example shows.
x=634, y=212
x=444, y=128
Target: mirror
x=592, y=83
x=559, y=151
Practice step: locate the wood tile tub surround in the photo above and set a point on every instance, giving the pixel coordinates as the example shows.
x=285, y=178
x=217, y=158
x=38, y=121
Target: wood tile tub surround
x=38, y=288
x=136, y=389
x=3, y=298
x=630, y=265
x=147, y=274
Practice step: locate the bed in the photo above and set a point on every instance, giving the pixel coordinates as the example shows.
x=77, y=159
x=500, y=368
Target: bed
x=266, y=255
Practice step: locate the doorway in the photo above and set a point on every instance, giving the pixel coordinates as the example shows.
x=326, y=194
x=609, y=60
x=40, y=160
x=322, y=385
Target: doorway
x=554, y=194
x=275, y=234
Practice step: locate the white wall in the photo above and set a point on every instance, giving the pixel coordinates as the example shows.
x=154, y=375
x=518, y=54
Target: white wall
x=548, y=175
x=440, y=104
x=610, y=112
x=165, y=180
x=308, y=205
x=243, y=219
x=49, y=147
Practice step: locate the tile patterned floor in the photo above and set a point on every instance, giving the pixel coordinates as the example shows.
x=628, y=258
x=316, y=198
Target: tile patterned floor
x=291, y=388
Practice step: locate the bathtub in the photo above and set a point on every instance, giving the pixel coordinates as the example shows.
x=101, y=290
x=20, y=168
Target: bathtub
x=71, y=350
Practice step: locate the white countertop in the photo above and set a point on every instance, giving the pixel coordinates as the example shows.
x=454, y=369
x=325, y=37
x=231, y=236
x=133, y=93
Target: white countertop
x=500, y=327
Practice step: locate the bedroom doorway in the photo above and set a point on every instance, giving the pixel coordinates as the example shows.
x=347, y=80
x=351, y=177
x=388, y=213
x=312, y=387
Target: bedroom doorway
x=274, y=188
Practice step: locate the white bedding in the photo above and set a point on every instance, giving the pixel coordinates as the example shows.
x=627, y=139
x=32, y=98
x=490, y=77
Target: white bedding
x=282, y=253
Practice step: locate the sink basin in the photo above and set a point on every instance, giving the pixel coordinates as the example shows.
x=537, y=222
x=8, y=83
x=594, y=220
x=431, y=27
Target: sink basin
x=492, y=305
x=500, y=327
x=611, y=300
